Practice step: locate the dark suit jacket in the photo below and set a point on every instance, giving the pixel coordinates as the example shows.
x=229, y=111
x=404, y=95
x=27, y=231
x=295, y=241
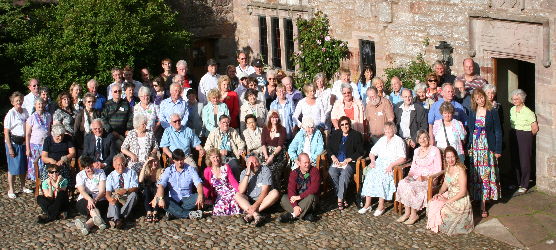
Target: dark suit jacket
x=108, y=147
x=492, y=127
x=354, y=144
x=79, y=126
x=417, y=119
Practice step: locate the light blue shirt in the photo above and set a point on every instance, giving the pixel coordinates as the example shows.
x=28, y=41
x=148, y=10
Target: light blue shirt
x=396, y=98
x=130, y=180
x=362, y=89
x=459, y=112
x=209, y=122
x=168, y=107
x=183, y=139
x=179, y=184
x=296, y=146
x=286, y=114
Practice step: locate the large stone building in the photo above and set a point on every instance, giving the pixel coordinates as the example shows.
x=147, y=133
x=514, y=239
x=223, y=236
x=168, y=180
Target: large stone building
x=512, y=41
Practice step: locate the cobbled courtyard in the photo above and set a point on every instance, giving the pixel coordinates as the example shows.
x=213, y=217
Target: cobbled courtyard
x=335, y=229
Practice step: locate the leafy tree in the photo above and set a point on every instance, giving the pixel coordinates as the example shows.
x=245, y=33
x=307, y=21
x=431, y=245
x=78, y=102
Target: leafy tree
x=318, y=52
x=415, y=70
x=74, y=40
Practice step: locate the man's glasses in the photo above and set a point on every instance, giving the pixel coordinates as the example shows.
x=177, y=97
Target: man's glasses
x=89, y=101
x=155, y=85
x=117, y=91
x=176, y=121
x=346, y=93
x=53, y=172
x=242, y=58
x=271, y=79
x=344, y=124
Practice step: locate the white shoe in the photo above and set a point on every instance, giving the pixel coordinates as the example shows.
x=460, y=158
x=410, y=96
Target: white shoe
x=522, y=190
x=97, y=220
x=364, y=210
x=12, y=196
x=378, y=212
x=81, y=226
x=27, y=191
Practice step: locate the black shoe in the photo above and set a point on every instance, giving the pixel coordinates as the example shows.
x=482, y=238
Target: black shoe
x=43, y=219
x=259, y=220
x=310, y=217
x=286, y=217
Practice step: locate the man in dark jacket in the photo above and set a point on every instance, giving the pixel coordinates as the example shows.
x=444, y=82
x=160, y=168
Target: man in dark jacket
x=409, y=118
x=100, y=147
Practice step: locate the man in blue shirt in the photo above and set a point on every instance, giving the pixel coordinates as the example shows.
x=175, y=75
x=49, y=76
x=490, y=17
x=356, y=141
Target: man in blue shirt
x=434, y=112
x=396, y=95
x=174, y=104
x=122, y=185
x=92, y=86
x=179, y=179
x=182, y=137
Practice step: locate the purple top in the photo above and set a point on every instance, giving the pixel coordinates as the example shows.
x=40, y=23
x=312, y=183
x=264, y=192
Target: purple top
x=40, y=127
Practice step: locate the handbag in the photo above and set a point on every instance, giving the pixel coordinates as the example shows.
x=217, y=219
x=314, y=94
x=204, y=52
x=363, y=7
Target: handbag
x=445, y=134
x=19, y=140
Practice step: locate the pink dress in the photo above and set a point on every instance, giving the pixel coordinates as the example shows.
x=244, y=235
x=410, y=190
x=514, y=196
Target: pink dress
x=221, y=191
x=411, y=192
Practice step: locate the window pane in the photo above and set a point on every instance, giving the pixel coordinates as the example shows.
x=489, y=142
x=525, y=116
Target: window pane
x=288, y=28
x=263, y=38
x=276, y=46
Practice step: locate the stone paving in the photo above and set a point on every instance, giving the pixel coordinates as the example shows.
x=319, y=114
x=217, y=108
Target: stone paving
x=335, y=229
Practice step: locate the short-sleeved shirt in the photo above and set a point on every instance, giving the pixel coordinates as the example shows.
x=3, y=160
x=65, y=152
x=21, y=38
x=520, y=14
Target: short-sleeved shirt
x=57, y=150
x=522, y=120
x=169, y=107
x=459, y=111
x=90, y=185
x=180, y=184
x=15, y=122
x=131, y=180
x=257, y=181
x=183, y=139
x=62, y=184
x=40, y=127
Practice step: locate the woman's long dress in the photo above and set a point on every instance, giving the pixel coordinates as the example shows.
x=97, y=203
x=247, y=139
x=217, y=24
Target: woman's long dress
x=484, y=178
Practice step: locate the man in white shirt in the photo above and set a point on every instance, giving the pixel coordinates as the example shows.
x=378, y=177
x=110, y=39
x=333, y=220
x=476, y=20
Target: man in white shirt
x=243, y=66
x=29, y=99
x=337, y=87
x=208, y=81
x=117, y=75
x=128, y=78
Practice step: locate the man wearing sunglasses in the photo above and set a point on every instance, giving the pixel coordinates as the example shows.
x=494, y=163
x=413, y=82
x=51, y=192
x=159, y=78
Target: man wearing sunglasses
x=29, y=99
x=117, y=116
x=244, y=66
x=179, y=136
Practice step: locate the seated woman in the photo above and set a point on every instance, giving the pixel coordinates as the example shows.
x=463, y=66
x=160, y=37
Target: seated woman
x=54, y=198
x=139, y=144
x=58, y=150
x=252, y=135
x=252, y=106
x=449, y=131
x=344, y=147
x=91, y=183
x=149, y=176
x=450, y=210
x=412, y=190
x=212, y=111
x=379, y=180
x=273, y=139
x=83, y=120
x=220, y=185
x=308, y=140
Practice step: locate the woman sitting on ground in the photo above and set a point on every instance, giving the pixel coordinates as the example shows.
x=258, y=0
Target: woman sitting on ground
x=54, y=197
x=91, y=183
x=412, y=190
x=149, y=176
x=219, y=185
x=379, y=180
x=450, y=211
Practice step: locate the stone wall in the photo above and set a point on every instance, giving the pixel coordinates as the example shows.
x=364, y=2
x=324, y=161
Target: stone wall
x=399, y=27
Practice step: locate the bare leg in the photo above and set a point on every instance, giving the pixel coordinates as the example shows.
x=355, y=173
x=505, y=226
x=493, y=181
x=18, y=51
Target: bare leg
x=242, y=201
x=270, y=199
x=10, y=183
x=380, y=204
x=368, y=201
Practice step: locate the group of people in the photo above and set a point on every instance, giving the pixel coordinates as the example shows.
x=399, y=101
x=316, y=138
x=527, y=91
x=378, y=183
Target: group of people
x=261, y=139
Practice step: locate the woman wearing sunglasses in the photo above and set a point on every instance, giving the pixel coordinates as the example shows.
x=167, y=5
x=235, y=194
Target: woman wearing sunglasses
x=54, y=198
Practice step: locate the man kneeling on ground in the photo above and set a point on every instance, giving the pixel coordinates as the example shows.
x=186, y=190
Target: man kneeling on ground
x=180, y=179
x=303, y=189
x=255, y=191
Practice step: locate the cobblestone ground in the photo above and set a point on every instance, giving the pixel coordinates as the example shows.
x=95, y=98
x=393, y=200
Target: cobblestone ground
x=335, y=229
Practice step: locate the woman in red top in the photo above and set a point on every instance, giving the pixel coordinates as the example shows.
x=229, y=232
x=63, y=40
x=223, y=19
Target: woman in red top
x=273, y=138
x=231, y=100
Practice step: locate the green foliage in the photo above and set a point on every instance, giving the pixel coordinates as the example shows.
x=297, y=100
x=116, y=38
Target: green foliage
x=318, y=52
x=75, y=40
x=416, y=70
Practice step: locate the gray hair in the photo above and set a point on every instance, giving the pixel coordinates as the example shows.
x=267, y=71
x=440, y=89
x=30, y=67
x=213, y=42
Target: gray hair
x=519, y=93
x=392, y=126
x=446, y=84
x=175, y=115
x=420, y=86
x=138, y=120
x=346, y=86
x=99, y=121
x=489, y=87
x=115, y=86
x=121, y=157
x=58, y=129
x=271, y=72
x=175, y=85
x=408, y=90
x=92, y=81
x=319, y=75
x=39, y=100
x=145, y=90
x=307, y=122
x=181, y=63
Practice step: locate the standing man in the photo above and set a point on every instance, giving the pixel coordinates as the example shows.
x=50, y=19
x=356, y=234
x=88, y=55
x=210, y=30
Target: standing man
x=29, y=99
x=396, y=95
x=259, y=73
x=92, y=87
x=434, y=111
x=174, y=104
x=471, y=80
x=410, y=118
x=128, y=78
x=379, y=110
x=188, y=81
x=345, y=76
x=146, y=78
x=208, y=81
x=461, y=95
x=117, y=116
x=121, y=192
x=440, y=70
x=166, y=69
x=118, y=77
x=243, y=66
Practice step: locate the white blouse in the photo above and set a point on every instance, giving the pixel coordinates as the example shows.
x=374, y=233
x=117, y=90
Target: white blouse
x=15, y=121
x=315, y=111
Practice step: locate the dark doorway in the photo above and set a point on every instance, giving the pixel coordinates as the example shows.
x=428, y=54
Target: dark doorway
x=201, y=50
x=367, y=55
x=511, y=74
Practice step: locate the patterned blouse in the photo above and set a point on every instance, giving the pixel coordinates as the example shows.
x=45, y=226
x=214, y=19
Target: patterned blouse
x=151, y=113
x=140, y=147
x=65, y=118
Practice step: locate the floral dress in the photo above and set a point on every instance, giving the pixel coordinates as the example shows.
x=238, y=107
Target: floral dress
x=224, y=203
x=65, y=118
x=40, y=129
x=484, y=172
x=140, y=146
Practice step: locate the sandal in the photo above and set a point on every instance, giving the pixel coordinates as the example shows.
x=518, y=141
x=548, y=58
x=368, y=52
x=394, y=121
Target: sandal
x=484, y=214
x=149, y=218
x=155, y=217
x=341, y=205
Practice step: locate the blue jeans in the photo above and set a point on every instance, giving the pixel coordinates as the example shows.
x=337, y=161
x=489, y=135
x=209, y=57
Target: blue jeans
x=182, y=208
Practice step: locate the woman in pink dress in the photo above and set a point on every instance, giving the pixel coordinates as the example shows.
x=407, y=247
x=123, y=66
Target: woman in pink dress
x=219, y=185
x=412, y=190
